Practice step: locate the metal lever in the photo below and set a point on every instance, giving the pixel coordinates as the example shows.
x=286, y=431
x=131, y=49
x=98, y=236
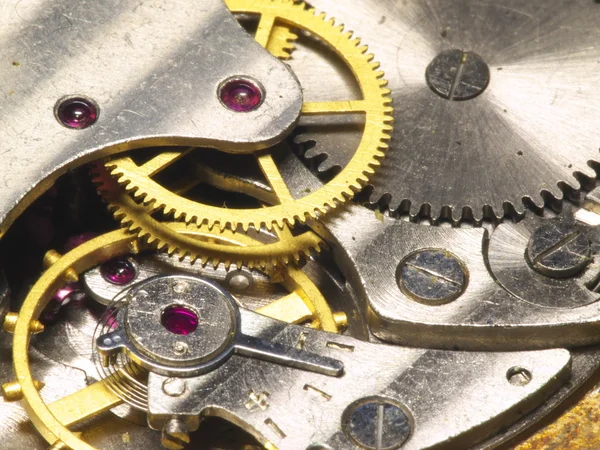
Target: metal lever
x=287, y=356
x=127, y=75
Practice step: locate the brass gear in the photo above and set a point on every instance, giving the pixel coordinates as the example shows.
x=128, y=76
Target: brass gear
x=281, y=42
x=375, y=105
x=199, y=243
x=52, y=420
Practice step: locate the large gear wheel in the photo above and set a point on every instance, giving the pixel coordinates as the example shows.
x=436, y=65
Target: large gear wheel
x=523, y=123
x=374, y=105
x=215, y=249
x=52, y=420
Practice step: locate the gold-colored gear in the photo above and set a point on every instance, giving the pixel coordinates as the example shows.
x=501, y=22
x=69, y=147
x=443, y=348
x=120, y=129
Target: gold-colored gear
x=215, y=247
x=374, y=104
x=281, y=42
x=305, y=302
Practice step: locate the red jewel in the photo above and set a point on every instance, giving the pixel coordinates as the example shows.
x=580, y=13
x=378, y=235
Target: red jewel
x=77, y=113
x=179, y=320
x=118, y=271
x=241, y=95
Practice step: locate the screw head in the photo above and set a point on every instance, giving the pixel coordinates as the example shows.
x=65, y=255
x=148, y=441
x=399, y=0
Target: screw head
x=375, y=423
x=241, y=94
x=175, y=435
x=180, y=348
x=458, y=75
x=76, y=112
x=433, y=277
x=558, y=249
x=518, y=376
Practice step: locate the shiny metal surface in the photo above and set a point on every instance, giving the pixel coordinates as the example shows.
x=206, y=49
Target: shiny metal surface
x=370, y=247
x=529, y=132
x=478, y=291
x=222, y=330
x=258, y=395
x=153, y=69
x=62, y=360
x=69, y=343
x=141, y=330
x=260, y=293
x=509, y=262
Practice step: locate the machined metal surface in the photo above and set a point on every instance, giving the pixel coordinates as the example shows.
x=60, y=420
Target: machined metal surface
x=66, y=345
x=536, y=282
x=259, y=292
x=258, y=395
x=485, y=315
x=451, y=337
x=532, y=128
x=222, y=330
x=153, y=69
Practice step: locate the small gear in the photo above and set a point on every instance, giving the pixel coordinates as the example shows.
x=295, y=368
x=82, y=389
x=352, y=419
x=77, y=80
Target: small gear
x=374, y=105
x=199, y=243
x=522, y=124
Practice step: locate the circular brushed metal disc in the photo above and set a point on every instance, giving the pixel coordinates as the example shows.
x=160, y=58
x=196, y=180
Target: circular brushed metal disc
x=529, y=130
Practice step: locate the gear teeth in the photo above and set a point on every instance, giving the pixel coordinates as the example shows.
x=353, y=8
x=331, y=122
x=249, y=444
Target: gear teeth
x=297, y=255
x=127, y=217
x=366, y=159
x=552, y=197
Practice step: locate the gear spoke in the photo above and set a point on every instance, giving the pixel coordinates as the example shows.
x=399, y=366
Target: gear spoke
x=85, y=403
x=230, y=183
x=274, y=178
x=265, y=29
x=298, y=281
x=335, y=107
x=161, y=161
x=292, y=308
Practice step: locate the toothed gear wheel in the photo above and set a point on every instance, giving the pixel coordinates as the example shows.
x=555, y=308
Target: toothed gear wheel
x=281, y=42
x=527, y=134
x=199, y=243
x=374, y=105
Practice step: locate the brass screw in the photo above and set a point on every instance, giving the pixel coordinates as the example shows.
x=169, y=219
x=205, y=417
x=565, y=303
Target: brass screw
x=51, y=257
x=10, y=323
x=12, y=391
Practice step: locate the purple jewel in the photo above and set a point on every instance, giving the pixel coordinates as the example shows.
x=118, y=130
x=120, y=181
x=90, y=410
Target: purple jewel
x=70, y=294
x=77, y=113
x=118, y=271
x=179, y=320
x=64, y=294
x=241, y=95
